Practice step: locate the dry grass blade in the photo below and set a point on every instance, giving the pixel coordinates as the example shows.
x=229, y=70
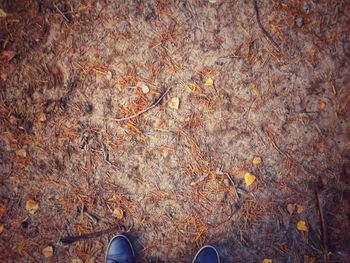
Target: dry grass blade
x=153, y=105
x=267, y=34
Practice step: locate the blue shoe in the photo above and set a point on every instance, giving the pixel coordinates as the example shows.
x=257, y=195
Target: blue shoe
x=207, y=254
x=120, y=250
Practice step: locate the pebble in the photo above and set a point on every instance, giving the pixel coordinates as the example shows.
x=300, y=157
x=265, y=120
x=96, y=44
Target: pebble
x=307, y=8
x=109, y=75
x=299, y=22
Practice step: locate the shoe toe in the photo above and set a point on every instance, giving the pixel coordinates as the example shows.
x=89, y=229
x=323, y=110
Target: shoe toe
x=120, y=251
x=207, y=254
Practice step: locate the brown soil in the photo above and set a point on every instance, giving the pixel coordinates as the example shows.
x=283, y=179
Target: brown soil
x=174, y=177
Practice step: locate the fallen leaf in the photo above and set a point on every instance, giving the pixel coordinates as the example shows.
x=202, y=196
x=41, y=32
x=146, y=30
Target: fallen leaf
x=47, y=251
x=256, y=160
x=13, y=120
x=32, y=206
x=324, y=180
x=91, y=260
x=194, y=87
x=322, y=105
x=118, y=213
x=174, y=103
x=77, y=260
x=301, y=226
x=7, y=55
x=266, y=260
x=209, y=82
x=21, y=153
x=2, y=227
x=2, y=13
x=300, y=209
x=291, y=208
x=42, y=117
x=3, y=209
x=249, y=178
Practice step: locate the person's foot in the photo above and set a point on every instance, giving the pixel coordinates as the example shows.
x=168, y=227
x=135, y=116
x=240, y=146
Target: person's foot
x=207, y=254
x=120, y=250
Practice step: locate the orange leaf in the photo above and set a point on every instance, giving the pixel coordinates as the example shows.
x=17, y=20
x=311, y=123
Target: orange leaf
x=118, y=213
x=256, y=160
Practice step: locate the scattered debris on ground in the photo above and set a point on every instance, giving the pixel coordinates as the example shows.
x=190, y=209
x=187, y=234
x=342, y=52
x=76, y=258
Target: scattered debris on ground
x=182, y=122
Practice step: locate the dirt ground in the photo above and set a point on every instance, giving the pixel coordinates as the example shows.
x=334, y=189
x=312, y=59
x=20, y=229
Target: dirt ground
x=238, y=93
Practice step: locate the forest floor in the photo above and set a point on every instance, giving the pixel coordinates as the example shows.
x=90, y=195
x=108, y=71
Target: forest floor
x=182, y=122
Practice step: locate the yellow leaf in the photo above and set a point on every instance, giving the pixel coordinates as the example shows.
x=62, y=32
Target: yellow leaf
x=32, y=206
x=300, y=209
x=301, y=226
x=256, y=160
x=118, y=213
x=2, y=227
x=174, y=103
x=194, y=87
x=47, y=251
x=77, y=260
x=266, y=260
x=249, y=178
x=2, y=13
x=209, y=82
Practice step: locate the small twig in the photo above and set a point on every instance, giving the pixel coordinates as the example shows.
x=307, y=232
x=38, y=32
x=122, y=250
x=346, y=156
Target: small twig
x=267, y=34
x=319, y=195
x=72, y=239
x=153, y=105
x=61, y=13
x=233, y=185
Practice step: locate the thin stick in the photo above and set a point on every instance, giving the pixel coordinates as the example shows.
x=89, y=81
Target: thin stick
x=267, y=34
x=61, y=13
x=72, y=239
x=319, y=195
x=153, y=105
x=233, y=185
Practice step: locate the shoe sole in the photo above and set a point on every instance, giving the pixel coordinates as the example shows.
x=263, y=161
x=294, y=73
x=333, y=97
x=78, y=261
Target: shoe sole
x=123, y=236
x=199, y=251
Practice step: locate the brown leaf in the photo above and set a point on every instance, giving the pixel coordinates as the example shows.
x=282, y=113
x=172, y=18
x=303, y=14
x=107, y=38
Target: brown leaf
x=291, y=208
x=3, y=209
x=21, y=153
x=42, y=117
x=118, y=213
x=2, y=227
x=256, y=160
x=300, y=209
x=322, y=105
